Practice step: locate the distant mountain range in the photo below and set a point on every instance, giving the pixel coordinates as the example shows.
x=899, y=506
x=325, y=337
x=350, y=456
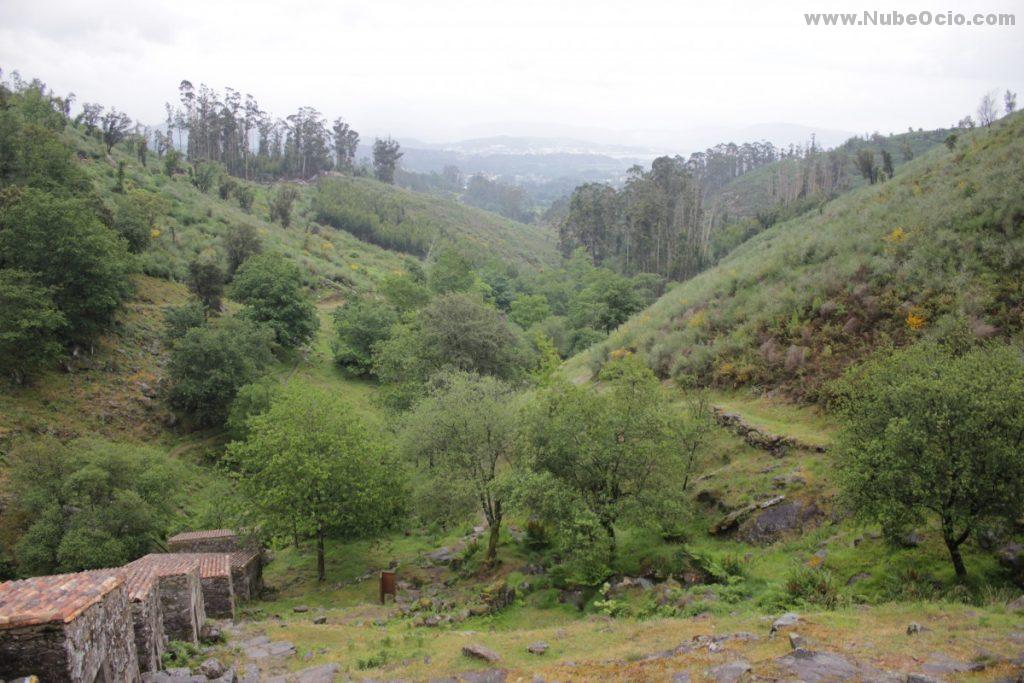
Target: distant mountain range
x=593, y=155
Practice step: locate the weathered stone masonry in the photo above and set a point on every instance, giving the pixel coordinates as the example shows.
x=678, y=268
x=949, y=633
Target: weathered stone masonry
x=179, y=585
x=70, y=627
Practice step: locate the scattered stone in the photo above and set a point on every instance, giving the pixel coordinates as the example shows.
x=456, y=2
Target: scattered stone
x=325, y=673
x=486, y=676
x=818, y=667
x=921, y=678
x=572, y=597
x=229, y=676
x=796, y=641
x=911, y=540
x=939, y=663
x=857, y=578
x=1017, y=605
x=477, y=651
x=729, y=673
x=212, y=668
x=537, y=648
x=733, y=519
x=787, y=620
x=320, y=620
x=681, y=677
x=211, y=634
x=913, y=628
x=299, y=609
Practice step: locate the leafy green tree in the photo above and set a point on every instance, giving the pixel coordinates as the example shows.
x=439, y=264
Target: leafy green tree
x=281, y=204
x=404, y=292
x=135, y=217
x=245, y=196
x=30, y=325
x=240, y=241
x=465, y=431
x=206, y=279
x=115, y=128
x=178, y=320
x=172, y=162
x=360, y=325
x=210, y=364
x=271, y=288
x=310, y=467
x=614, y=452
x=89, y=504
x=605, y=303
x=68, y=250
x=385, y=159
x=451, y=272
x=928, y=433
x=529, y=309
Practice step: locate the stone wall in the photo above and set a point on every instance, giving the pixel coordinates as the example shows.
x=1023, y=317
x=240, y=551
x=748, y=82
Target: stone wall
x=247, y=576
x=98, y=644
x=101, y=642
x=182, y=603
x=219, y=596
x=37, y=650
x=147, y=618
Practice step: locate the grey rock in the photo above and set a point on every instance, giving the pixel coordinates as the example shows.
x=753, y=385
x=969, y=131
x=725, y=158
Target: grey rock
x=818, y=667
x=320, y=620
x=212, y=668
x=537, y=648
x=857, y=578
x=325, y=673
x=913, y=628
x=486, y=676
x=778, y=520
x=921, y=678
x=729, y=673
x=681, y=677
x=939, y=663
x=787, y=620
x=299, y=609
x=1016, y=605
x=281, y=649
x=229, y=676
x=796, y=641
x=477, y=651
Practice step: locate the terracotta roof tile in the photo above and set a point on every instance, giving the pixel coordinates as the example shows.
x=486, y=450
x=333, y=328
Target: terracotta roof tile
x=243, y=557
x=199, y=535
x=210, y=564
x=143, y=572
x=54, y=599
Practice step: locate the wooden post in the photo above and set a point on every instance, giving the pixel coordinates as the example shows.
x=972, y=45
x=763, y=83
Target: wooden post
x=387, y=586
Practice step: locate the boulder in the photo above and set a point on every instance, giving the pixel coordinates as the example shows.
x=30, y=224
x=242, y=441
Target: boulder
x=300, y=609
x=775, y=521
x=212, y=668
x=796, y=641
x=477, y=651
x=537, y=648
x=325, y=673
x=787, y=620
x=729, y=673
x=819, y=667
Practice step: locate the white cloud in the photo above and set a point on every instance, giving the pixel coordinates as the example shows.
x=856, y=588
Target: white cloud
x=440, y=68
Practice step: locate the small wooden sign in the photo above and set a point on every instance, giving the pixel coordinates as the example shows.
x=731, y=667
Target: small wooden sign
x=388, y=586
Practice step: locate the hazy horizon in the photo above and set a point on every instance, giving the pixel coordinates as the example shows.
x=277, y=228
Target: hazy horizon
x=653, y=74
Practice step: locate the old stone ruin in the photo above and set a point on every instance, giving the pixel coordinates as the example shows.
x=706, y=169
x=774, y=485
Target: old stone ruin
x=114, y=624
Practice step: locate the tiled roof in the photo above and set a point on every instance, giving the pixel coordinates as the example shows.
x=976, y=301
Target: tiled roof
x=199, y=535
x=142, y=573
x=243, y=557
x=210, y=564
x=54, y=599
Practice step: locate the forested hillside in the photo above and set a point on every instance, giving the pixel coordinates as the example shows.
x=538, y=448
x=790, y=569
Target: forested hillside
x=932, y=252
x=231, y=323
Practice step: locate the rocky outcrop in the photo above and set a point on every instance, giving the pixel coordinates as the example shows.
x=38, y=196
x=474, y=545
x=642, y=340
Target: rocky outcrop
x=732, y=520
x=759, y=438
x=773, y=523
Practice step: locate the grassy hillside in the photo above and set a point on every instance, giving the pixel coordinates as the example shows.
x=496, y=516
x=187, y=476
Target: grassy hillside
x=759, y=189
x=936, y=251
x=413, y=222
x=196, y=221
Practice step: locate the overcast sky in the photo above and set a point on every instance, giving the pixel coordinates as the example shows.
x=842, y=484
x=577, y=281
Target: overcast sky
x=443, y=69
